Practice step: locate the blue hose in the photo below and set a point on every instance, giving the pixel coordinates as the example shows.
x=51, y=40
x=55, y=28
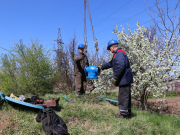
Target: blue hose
x=106, y=99
x=111, y=100
x=67, y=100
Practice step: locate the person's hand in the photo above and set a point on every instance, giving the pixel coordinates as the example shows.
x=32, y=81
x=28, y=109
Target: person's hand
x=82, y=57
x=114, y=81
x=99, y=68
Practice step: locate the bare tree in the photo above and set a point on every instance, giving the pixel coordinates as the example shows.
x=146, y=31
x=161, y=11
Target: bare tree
x=64, y=66
x=71, y=52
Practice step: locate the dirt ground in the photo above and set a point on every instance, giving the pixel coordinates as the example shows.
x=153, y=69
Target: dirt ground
x=156, y=105
x=173, y=105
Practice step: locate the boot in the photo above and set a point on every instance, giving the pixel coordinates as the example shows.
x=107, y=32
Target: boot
x=123, y=116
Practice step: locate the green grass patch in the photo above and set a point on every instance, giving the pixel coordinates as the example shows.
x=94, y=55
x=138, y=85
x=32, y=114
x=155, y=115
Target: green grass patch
x=89, y=117
x=112, y=95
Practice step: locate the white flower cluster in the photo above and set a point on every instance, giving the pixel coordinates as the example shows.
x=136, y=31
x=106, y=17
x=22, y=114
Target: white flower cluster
x=104, y=81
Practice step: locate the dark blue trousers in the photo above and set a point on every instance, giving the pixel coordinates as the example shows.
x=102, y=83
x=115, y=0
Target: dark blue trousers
x=124, y=99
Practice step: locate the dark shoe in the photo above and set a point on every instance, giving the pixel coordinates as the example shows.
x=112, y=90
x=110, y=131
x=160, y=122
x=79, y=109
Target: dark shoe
x=122, y=116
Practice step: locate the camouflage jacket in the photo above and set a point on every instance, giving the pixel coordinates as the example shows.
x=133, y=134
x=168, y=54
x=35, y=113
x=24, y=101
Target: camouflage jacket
x=80, y=64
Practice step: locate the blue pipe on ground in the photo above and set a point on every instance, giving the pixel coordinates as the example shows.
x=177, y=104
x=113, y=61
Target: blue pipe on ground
x=107, y=99
x=67, y=100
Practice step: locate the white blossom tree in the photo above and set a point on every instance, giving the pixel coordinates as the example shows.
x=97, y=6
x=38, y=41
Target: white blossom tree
x=148, y=64
x=167, y=23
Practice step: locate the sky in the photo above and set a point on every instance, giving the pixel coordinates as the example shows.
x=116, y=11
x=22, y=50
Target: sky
x=40, y=19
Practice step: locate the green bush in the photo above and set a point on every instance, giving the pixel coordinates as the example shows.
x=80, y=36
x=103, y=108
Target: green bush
x=26, y=70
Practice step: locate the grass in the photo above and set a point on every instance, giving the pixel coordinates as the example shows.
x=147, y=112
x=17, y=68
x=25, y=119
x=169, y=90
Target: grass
x=89, y=117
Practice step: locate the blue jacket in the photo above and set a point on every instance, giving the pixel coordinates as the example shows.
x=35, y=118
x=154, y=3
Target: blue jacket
x=121, y=67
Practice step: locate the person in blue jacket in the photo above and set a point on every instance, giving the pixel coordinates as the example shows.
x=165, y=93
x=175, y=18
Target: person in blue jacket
x=122, y=77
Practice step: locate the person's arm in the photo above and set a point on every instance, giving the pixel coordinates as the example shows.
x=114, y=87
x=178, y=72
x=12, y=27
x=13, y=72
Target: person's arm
x=107, y=65
x=120, y=65
x=77, y=57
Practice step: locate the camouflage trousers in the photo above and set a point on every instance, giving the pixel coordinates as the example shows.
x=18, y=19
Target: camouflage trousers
x=80, y=85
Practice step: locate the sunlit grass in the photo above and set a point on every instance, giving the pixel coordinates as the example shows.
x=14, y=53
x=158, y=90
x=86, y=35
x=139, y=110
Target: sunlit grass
x=89, y=117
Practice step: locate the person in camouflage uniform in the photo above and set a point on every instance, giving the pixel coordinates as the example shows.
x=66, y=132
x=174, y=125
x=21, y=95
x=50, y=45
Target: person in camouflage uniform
x=81, y=61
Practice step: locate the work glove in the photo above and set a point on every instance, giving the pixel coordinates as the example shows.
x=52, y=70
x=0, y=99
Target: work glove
x=99, y=68
x=114, y=81
x=82, y=57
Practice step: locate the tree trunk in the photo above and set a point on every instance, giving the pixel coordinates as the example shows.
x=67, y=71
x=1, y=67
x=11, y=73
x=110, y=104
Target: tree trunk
x=164, y=100
x=144, y=97
x=165, y=91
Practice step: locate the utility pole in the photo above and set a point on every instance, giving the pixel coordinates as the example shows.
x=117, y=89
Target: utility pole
x=59, y=42
x=59, y=51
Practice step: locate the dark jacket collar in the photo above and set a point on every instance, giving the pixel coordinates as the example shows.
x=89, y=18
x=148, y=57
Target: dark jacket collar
x=117, y=49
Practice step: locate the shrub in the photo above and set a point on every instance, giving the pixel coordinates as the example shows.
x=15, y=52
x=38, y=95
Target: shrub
x=26, y=69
